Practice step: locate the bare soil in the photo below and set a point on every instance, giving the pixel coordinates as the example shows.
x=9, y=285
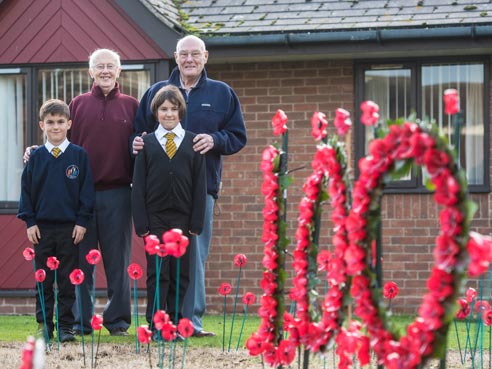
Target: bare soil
x=123, y=356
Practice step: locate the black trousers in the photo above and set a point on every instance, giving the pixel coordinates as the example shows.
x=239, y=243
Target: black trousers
x=56, y=240
x=168, y=275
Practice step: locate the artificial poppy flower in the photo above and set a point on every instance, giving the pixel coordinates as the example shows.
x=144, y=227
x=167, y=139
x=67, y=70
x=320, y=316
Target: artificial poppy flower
x=93, y=257
x=77, y=277
x=323, y=260
x=152, y=243
x=28, y=354
x=451, y=101
x=185, y=328
x=480, y=250
x=175, y=242
x=342, y=121
x=370, y=113
x=40, y=275
x=487, y=317
x=240, y=260
x=255, y=344
x=279, y=122
x=28, y=253
x=225, y=289
x=134, y=271
x=169, y=331
x=286, y=352
x=318, y=126
x=52, y=262
x=97, y=322
x=390, y=290
x=471, y=294
x=160, y=319
x=144, y=334
x=249, y=298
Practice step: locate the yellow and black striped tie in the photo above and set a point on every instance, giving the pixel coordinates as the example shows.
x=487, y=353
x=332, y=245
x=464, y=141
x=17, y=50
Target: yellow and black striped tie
x=170, y=145
x=56, y=151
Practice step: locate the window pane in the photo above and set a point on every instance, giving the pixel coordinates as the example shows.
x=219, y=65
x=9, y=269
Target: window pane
x=65, y=84
x=390, y=89
x=13, y=137
x=468, y=79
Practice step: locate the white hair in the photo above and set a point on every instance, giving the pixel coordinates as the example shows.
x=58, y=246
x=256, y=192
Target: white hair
x=199, y=40
x=96, y=53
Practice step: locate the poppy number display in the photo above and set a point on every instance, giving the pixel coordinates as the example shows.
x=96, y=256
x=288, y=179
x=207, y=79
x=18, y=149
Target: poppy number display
x=349, y=267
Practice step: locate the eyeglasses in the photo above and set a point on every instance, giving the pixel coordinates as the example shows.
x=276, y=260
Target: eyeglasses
x=109, y=67
x=194, y=54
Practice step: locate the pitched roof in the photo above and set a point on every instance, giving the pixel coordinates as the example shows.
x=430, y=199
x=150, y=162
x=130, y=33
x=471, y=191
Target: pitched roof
x=255, y=17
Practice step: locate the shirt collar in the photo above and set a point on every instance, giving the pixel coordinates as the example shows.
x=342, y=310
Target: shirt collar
x=63, y=146
x=178, y=131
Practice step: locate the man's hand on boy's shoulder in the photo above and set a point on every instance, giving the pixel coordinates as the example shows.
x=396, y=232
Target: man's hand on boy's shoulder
x=27, y=153
x=33, y=234
x=78, y=234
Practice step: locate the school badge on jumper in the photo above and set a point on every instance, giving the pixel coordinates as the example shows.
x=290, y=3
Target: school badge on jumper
x=72, y=171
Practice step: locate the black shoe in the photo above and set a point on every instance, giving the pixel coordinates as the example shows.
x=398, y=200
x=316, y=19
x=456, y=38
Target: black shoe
x=66, y=335
x=118, y=332
x=179, y=338
x=78, y=332
x=41, y=332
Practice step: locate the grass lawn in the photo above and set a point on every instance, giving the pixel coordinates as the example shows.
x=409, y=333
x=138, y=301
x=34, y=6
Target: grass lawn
x=17, y=328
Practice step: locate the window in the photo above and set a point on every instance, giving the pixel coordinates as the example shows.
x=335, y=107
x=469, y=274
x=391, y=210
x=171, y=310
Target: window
x=13, y=128
x=19, y=114
x=401, y=89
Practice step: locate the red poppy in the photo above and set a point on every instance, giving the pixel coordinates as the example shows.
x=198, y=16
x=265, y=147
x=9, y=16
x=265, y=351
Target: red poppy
x=93, y=257
x=144, y=334
x=169, y=331
x=480, y=250
x=134, y=271
x=152, y=243
x=390, y=290
x=323, y=260
x=175, y=242
x=342, y=121
x=97, y=322
x=160, y=319
x=249, y=298
x=185, y=328
x=77, y=277
x=28, y=253
x=471, y=294
x=318, y=125
x=464, y=309
x=451, y=101
x=286, y=352
x=52, y=262
x=40, y=275
x=225, y=289
x=28, y=354
x=255, y=344
x=370, y=113
x=279, y=122
x=487, y=317
x=240, y=260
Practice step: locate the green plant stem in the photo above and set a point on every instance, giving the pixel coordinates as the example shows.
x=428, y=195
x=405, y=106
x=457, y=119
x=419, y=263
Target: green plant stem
x=223, y=325
x=81, y=323
x=234, y=310
x=56, y=312
x=97, y=348
x=135, y=314
x=242, y=327
x=184, y=353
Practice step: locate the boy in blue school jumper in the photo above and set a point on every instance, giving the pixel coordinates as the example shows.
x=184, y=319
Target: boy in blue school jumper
x=169, y=191
x=57, y=200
